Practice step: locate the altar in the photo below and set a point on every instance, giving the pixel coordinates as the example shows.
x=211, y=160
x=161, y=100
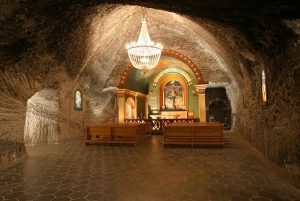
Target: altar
x=180, y=114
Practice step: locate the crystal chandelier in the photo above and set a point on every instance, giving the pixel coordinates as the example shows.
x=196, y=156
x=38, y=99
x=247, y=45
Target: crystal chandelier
x=144, y=54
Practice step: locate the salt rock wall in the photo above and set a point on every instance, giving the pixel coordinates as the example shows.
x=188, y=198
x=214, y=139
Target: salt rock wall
x=41, y=124
x=274, y=128
x=15, y=90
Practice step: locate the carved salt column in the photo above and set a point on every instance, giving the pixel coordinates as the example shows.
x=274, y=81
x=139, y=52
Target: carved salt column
x=136, y=115
x=201, y=101
x=146, y=104
x=146, y=108
x=121, y=102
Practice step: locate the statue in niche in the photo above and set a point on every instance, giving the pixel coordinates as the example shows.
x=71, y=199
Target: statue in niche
x=173, y=95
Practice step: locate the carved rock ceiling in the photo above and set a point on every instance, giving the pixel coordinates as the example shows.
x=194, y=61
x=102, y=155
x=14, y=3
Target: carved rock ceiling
x=47, y=36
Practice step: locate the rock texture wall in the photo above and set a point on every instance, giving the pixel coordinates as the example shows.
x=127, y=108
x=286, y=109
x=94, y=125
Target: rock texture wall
x=274, y=128
x=41, y=125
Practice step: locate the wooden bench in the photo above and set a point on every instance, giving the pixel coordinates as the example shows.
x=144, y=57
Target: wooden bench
x=195, y=133
x=147, y=130
x=116, y=133
x=98, y=133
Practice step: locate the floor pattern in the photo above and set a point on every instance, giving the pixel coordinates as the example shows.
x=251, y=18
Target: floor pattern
x=71, y=171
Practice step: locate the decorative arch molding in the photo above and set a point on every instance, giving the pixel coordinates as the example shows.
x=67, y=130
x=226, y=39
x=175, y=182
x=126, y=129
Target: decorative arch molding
x=172, y=70
x=228, y=107
x=170, y=53
x=164, y=81
x=226, y=111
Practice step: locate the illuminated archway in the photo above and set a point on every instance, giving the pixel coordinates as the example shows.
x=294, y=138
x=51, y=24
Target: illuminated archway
x=170, y=53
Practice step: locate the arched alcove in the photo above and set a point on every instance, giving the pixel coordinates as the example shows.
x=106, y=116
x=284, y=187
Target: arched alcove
x=41, y=125
x=218, y=106
x=130, y=109
x=171, y=86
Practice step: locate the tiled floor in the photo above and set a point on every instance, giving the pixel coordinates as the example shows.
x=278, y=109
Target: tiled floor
x=71, y=171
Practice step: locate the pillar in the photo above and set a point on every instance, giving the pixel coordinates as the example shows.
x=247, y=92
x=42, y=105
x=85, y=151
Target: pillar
x=136, y=115
x=146, y=108
x=146, y=104
x=201, y=101
x=121, y=102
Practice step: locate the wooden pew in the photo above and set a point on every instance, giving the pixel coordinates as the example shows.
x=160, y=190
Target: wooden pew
x=210, y=134
x=177, y=135
x=126, y=133
x=98, y=134
x=193, y=133
x=115, y=133
x=148, y=130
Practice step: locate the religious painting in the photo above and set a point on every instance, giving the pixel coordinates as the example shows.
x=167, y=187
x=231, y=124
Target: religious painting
x=78, y=100
x=173, y=95
x=263, y=86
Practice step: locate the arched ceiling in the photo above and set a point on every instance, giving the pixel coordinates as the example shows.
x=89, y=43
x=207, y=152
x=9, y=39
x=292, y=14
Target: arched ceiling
x=87, y=38
x=121, y=25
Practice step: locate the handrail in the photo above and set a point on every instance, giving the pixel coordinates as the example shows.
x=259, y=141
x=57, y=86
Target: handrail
x=158, y=124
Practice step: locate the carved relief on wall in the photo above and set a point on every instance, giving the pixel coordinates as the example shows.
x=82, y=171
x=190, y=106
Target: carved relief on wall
x=173, y=93
x=129, y=109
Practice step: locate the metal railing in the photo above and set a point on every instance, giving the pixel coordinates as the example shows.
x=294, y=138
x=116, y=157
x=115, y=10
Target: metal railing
x=158, y=124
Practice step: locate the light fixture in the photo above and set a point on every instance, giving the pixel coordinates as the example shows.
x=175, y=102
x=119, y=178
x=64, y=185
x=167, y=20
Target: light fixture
x=144, y=54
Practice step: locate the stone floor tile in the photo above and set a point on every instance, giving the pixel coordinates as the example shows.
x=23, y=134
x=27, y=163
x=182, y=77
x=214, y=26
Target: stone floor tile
x=219, y=198
x=111, y=191
x=14, y=195
x=44, y=197
x=259, y=199
x=266, y=194
x=217, y=186
x=227, y=192
x=235, y=187
x=95, y=196
x=61, y=199
x=30, y=196
x=181, y=196
x=72, y=171
x=79, y=194
x=63, y=193
x=191, y=190
x=246, y=193
x=48, y=191
x=114, y=197
x=252, y=187
x=200, y=197
x=239, y=198
x=210, y=191
x=34, y=190
x=163, y=195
